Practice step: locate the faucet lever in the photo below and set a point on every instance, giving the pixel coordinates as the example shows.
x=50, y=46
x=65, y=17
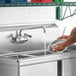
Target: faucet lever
x=27, y=35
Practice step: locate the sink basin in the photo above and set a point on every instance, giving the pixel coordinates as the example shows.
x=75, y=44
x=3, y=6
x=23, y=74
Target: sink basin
x=15, y=57
x=41, y=53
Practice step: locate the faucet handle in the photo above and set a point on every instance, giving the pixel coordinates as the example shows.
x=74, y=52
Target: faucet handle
x=27, y=35
x=18, y=37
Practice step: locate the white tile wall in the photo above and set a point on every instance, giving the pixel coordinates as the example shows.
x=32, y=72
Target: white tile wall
x=18, y=15
x=69, y=22
x=33, y=15
x=70, y=0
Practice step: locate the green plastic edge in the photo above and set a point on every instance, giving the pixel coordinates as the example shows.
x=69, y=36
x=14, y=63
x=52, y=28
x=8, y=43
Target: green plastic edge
x=38, y=4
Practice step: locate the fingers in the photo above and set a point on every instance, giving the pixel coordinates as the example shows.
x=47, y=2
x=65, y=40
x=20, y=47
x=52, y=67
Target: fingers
x=63, y=37
x=57, y=47
x=60, y=38
x=53, y=47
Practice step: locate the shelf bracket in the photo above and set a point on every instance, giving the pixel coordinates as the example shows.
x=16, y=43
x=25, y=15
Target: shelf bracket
x=59, y=11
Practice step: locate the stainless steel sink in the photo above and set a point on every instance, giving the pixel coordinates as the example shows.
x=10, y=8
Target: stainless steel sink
x=15, y=57
x=41, y=53
x=24, y=55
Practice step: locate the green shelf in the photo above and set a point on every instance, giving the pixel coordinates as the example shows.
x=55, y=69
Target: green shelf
x=58, y=0
x=38, y=4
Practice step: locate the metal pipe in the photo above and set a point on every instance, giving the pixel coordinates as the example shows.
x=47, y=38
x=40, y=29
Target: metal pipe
x=6, y=27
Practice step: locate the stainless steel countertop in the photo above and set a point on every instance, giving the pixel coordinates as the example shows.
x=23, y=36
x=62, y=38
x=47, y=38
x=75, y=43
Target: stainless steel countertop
x=49, y=58
x=38, y=58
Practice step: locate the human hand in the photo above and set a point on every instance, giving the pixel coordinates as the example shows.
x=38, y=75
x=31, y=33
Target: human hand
x=63, y=37
x=58, y=47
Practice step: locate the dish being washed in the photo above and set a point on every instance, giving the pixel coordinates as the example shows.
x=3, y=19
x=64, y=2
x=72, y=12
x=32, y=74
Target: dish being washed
x=54, y=43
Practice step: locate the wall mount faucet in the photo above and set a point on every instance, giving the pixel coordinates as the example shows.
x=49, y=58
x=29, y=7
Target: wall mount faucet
x=18, y=37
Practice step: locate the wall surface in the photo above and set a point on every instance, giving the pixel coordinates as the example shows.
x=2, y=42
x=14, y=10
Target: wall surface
x=25, y=15
x=69, y=22
x=70, y=0
x=33, y=15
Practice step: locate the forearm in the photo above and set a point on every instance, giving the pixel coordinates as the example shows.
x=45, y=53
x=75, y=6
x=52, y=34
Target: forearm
x=71, y=39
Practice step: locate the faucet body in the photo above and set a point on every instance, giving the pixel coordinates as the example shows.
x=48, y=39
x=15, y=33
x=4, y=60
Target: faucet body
x=18, y=37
